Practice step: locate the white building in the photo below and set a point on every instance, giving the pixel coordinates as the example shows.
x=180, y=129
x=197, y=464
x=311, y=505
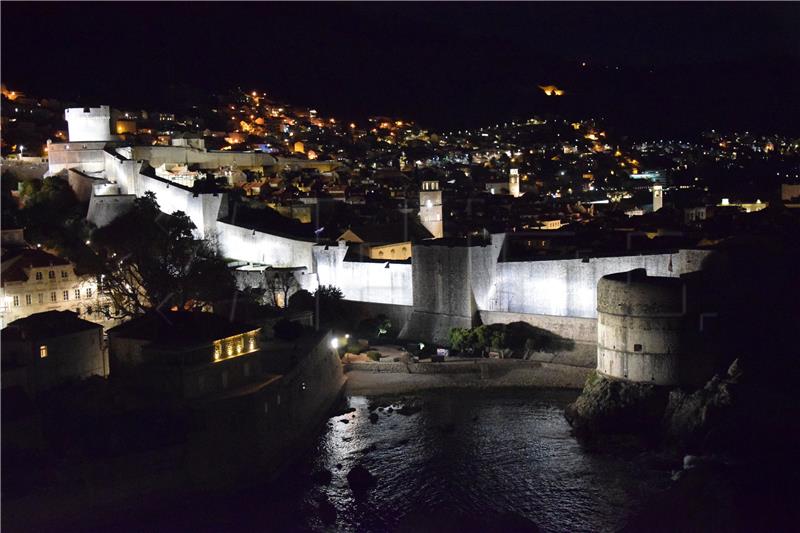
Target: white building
x=34, y=281
x=658, y=197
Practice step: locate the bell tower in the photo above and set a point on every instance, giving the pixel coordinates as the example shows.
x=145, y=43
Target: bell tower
x=658, y=197
x=430, y=208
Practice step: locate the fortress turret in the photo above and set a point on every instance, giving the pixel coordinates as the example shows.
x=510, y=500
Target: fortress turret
x=89, y=123
x=649, y=329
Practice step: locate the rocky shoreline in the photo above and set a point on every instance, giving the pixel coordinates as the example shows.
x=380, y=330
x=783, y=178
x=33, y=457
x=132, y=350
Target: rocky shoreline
x=736, y=436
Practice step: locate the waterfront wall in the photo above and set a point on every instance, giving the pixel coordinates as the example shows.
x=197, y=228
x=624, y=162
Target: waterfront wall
x=569, y=287
x=252, y=435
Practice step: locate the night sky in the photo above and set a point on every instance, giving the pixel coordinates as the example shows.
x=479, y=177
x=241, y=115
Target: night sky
x=651, y=69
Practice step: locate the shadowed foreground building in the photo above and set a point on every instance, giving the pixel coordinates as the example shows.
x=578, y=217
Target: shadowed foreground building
x=47, y=349
x=186, y=354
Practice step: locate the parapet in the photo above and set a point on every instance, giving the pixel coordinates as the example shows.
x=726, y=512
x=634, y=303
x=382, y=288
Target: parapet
x=634, y=293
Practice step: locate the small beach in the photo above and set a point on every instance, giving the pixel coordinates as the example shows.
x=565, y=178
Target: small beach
x=371, y=379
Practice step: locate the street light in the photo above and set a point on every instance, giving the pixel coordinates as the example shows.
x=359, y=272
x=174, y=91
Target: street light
x=21, y=148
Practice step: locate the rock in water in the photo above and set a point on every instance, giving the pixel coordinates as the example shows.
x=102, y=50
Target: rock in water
x=409, y=409
x=360, y=479
x=609, y=405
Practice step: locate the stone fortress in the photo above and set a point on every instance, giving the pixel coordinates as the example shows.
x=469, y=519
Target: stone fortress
x=650, y=329
x=448, y=282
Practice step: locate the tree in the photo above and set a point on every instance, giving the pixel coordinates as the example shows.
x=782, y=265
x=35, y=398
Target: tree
x=151, y=260
x=302, y=300
x=279, y=283
x=329, y=300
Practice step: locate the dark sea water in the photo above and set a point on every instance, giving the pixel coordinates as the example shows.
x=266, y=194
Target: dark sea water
x=467, y=461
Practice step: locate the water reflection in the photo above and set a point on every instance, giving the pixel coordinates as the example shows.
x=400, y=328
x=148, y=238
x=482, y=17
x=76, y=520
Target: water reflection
x=479, y=457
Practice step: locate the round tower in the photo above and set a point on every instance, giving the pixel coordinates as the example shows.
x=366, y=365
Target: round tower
x=646, y=329
x=89, y=123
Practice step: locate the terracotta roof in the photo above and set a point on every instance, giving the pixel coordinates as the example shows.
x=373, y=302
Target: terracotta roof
x=46, y=325
x=16, y=262
x=179, y=328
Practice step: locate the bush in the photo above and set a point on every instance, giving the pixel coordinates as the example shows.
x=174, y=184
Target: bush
x=374, y=355
x=354, y=347
x=288, y=330
x=302, y=300
x=515, y=336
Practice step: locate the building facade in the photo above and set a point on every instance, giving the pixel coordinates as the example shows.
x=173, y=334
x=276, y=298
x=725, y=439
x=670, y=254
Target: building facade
x=47, y=349
x=35, y=281
x=186, y=354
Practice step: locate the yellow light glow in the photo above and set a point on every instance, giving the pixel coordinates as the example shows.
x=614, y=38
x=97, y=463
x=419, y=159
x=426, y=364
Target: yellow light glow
x=551, y=90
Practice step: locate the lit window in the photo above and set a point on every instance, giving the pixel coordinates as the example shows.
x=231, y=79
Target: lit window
x=77, y=294
x=43, y=351
x=51, y=274
x=217, y=351
x=252, y=344
x=230, y=349
x=16, y=301
x=65, y=294
x=38, y=276
x=28, y=299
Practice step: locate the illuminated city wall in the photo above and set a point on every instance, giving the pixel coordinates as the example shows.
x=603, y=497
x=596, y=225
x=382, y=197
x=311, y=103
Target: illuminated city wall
x=362, y=281
x=569, y=287
x=160, y=155
x=87, y=157
x=246, y=244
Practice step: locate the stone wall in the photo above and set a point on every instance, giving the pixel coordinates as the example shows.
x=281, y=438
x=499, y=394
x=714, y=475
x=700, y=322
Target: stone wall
x=569, y=287
x=24, y=170
x=365, y=281
x=358, y=311
x=254, y=246
x=647, y=330
x=87, y=157
x=103, y=210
